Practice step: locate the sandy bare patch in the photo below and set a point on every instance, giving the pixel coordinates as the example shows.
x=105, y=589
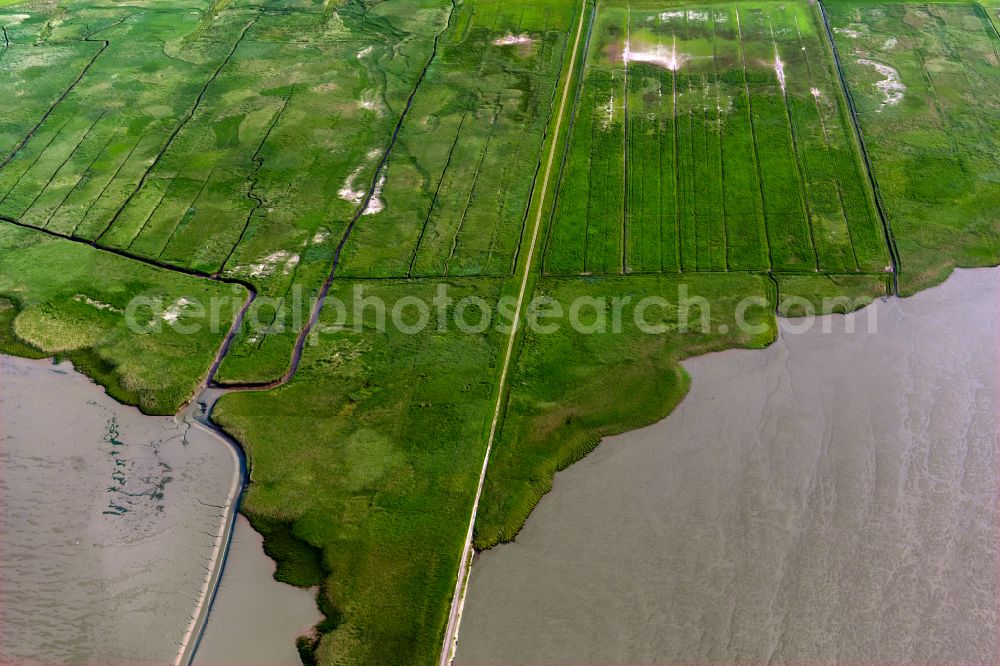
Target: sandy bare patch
x=658, y=56
x=347, y=192
x=847, y=32
x=891, y=86
x=369, y=101
x=173, y=311
x=365, y=51
x=779, y=69
x=268, y=264
x=816, y=92
x=324, y=87
x=375, y=204
x=890, y=44
x=83, y=298
x=320, y=236
x=15, y=19
x=510, y=39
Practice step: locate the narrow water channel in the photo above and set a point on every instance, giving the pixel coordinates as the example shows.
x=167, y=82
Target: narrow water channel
x=832, y=498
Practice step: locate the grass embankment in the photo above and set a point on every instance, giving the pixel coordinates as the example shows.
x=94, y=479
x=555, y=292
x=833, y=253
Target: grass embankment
x=60, y=298
x=931, y=120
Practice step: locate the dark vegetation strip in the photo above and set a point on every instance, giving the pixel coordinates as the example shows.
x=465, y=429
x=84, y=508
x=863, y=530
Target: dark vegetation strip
x=803, y=184
x=472, y=189
x=677, y=170
x=34, y=161
x=177, y=130
x=826, y=143
x=753, y=136
x=538, y=164
x=83, y=218
x=45, y=116
x=55, y=173
x=79, y=180
x=437, y=190
x=6, y=39
x=628, y=26
x=990, y=27
x=722, y=145
x=159, y=202
x=258, y=162
x=569, y=135
x=890, y=240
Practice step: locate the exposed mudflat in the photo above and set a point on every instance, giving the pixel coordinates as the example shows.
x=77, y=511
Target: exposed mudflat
x=109, y=520
x=832, y=498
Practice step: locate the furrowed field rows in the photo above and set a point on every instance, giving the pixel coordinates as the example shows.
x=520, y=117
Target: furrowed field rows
x=712, y=139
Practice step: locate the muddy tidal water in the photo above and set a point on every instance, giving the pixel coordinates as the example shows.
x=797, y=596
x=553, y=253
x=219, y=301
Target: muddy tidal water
x=108, y=521
x=830, y=499
x=255, y=619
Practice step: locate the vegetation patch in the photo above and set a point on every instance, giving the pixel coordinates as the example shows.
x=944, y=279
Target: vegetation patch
x=52, y=304
x=926, y=82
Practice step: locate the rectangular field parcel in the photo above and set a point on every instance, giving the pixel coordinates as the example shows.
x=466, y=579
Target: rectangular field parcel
x=712, y=138
x=926, y=82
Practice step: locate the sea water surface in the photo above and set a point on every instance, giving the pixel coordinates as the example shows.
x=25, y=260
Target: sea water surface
x=110, y=525
x=829, y=499
x=108, y=521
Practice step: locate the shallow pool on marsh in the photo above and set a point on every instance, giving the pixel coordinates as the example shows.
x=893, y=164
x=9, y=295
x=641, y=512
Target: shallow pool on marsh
x=830, y=498
x=108, y=521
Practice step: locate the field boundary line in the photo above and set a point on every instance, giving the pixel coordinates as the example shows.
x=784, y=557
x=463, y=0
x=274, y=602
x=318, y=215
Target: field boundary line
x=80, y=180
x=180, y=126
x=33, y=162
x=472, y=188
x=45, y=116
x=826, y=143
x=753, y=139
x=569, y=138
x=625, y=133
x=254, y=177
x=890, y=239
x=722, y=148
x=464, y=569
x=437, y=190
x=800, y=168
x=60, y=167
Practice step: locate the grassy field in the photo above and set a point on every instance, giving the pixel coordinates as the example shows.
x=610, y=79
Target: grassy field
x=707, y=146
x=221, y=139
x=712, y=139
x=51, y=304
x=373, y=463
x=456, y=188
x=926, y=81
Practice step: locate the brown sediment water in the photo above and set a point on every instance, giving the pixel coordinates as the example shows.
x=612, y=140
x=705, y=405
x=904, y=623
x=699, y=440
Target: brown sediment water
x=829, y=499
x=254, y=619
x=110, y=522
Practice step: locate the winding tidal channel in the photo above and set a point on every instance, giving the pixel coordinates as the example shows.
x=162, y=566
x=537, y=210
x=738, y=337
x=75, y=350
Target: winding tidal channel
x=829, y=499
